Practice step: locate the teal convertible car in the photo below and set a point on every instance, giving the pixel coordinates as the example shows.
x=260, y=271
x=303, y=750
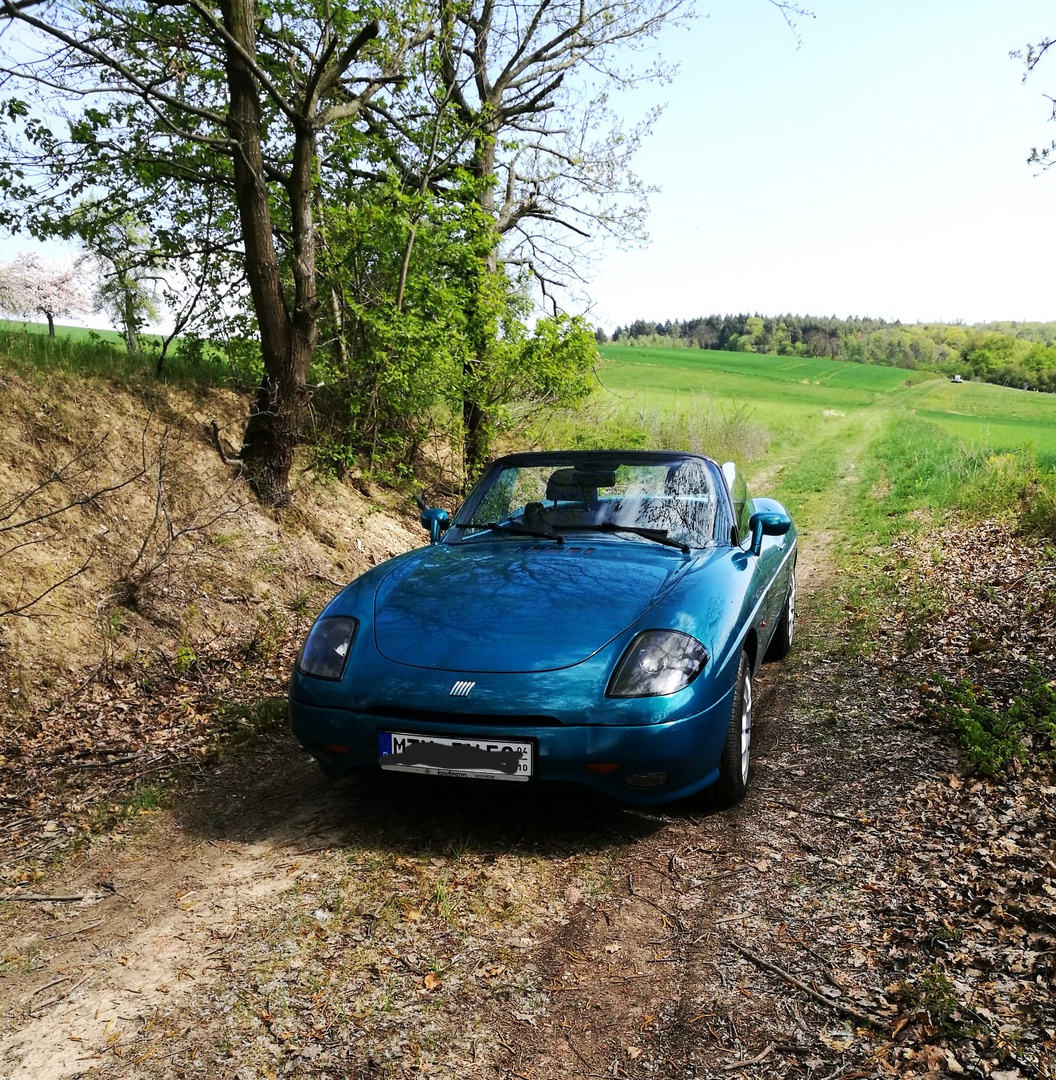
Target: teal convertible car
x=586, y=618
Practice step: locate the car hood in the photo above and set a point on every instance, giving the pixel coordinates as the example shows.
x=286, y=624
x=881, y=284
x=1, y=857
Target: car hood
x=494, y=607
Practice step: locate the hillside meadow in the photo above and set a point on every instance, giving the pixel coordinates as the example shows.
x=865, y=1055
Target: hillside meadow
x=786, y=393
x=818, y=433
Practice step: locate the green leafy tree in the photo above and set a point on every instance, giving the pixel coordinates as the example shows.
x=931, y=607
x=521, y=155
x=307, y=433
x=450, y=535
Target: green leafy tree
x=247, y=135
x=994, y=351
x=173, y=106
x=129, y=272
x=527, y=86
x=394, y=326
x=519, y=375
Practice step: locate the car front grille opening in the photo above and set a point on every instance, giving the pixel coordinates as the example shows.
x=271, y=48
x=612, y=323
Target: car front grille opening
x=483, y=719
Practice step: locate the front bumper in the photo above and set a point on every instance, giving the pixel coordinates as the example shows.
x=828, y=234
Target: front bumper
x=686, y=749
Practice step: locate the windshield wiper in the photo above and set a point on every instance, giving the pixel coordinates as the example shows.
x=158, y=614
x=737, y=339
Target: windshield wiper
x=659, y=536
x=515, y=528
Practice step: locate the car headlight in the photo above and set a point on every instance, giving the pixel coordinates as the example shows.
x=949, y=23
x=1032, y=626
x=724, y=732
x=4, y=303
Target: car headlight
x=658, y=662
x=324, y=654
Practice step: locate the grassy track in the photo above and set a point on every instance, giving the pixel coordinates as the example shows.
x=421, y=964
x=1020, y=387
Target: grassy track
x=859, y=444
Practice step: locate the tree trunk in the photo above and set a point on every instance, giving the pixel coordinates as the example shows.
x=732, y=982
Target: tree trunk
x=271, y=437
x=476, y=436
x=272, y=431
x=131, y=318
x=476, y=425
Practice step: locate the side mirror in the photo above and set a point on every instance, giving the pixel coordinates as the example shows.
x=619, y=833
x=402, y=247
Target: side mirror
x=767, y=523
x=436, y=521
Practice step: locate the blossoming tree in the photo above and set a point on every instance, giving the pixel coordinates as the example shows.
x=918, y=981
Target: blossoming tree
x=29, y=286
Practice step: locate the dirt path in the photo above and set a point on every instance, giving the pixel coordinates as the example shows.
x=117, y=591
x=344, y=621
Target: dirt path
x=272, y=924
x=654, y=980
x=138, y=973
x=114, y=980
x=146, y=972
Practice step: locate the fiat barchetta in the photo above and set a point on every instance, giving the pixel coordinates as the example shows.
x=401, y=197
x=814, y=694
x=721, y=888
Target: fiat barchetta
x=588, y=619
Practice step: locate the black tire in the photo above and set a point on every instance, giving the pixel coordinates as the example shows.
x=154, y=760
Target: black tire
x=781, y=642
x=735, y=763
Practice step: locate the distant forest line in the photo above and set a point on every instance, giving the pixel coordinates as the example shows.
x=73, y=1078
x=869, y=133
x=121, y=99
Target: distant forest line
x=1019, y=354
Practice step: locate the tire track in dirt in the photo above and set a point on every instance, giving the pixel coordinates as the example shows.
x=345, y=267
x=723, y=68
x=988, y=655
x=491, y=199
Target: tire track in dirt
x=637, y=981
x=105, y=966
x=189, y=948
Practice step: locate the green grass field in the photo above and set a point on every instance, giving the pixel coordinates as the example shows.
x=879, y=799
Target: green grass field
x=678, y=365
x=791, y=391
x=79, y=350
x=995, y=417
x=72, y=333
x=868, y=444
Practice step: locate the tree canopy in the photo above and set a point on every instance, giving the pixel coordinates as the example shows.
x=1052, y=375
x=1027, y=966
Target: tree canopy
x=205, y=126
x=370, y=191
x=251, y=144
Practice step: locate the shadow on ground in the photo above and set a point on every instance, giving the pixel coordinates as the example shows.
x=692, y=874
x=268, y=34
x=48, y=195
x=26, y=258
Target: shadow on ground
x=277, y=792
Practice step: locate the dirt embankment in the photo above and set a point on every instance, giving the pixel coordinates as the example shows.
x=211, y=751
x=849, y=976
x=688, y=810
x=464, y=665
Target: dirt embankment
x=149, y=607
x=867, y=911
x=158, y=545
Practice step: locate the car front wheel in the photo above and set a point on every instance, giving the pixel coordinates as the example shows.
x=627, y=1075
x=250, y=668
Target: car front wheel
x=737, y=750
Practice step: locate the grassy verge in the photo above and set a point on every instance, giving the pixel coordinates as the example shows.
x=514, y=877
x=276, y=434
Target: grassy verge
x=943, y=551
x=99, y=354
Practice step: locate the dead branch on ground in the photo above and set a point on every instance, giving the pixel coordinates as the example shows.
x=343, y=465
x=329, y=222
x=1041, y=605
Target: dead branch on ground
x=838, y=1006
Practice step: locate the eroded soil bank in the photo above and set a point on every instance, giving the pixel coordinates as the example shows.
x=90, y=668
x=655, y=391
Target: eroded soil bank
x=869, y=910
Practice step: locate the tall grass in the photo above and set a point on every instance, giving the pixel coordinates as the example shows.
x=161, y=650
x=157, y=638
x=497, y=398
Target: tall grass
x=723, y=431
x=923, y=467
x=98, y=355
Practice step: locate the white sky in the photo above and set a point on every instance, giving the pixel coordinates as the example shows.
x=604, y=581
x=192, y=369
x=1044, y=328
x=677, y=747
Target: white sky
x=879, y=169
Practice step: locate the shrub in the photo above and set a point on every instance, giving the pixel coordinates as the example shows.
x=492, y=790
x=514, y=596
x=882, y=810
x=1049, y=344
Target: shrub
x=992, y=738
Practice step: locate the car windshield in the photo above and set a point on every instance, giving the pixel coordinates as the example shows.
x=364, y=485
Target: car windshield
x=669, y=500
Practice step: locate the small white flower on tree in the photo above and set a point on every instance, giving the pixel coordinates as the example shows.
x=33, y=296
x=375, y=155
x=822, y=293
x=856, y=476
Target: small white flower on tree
x=30, y=286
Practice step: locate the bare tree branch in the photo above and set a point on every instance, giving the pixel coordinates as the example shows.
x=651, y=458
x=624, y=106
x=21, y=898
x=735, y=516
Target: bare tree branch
x=22, y=608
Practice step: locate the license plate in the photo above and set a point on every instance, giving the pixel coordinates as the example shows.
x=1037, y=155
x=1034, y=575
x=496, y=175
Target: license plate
x=436, y=755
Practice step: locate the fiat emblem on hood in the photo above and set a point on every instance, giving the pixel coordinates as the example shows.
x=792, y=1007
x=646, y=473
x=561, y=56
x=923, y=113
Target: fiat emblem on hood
x=461, y=689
